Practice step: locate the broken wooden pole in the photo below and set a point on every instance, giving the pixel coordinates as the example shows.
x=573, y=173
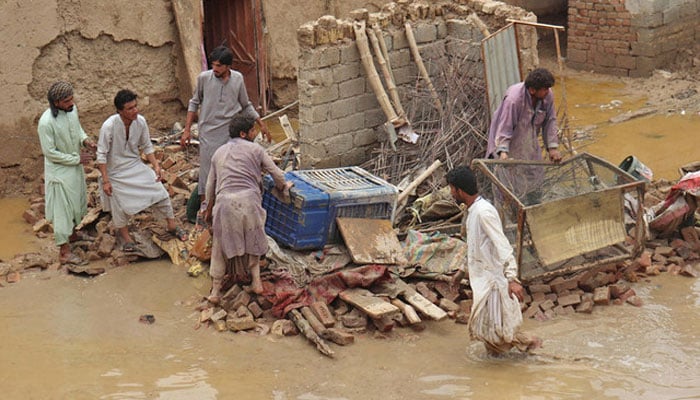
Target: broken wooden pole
x=413, y=185
x=421, y=67
x=372, y=76
x=313, y=321
x=306, y=329
x=388, y=78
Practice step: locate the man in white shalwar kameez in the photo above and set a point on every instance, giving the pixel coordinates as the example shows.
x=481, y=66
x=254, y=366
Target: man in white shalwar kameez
x=62, y=138
x=493, y=274
x=128, y=185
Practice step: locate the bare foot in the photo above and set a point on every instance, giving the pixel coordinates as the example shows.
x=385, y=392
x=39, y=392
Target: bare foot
x=215, y=293
x=257, y=287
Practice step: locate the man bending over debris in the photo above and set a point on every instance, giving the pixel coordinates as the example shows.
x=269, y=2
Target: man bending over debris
x=495, y=316
x=234, y=205
x=128, y=185
x=62, y=137
x=527, y=109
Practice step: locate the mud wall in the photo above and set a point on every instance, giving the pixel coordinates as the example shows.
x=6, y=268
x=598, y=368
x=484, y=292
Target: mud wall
x=339, y=115
x=630, y=37
x=100, y=47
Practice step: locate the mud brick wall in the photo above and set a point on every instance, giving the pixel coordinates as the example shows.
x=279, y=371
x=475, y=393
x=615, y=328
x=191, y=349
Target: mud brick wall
x=630, y=37
x=340, y=120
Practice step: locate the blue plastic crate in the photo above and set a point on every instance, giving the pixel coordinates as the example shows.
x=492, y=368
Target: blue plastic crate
x=318, y=198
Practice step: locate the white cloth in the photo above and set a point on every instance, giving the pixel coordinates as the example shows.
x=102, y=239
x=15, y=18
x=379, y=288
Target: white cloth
x=134, y=185
x=495, y=316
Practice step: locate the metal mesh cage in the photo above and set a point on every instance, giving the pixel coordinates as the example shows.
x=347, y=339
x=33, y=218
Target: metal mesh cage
x=562, y=218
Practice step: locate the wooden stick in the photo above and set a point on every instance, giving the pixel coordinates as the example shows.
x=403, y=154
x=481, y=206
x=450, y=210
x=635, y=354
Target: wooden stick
x=309, y=333
x=385, y=51
x=421, y=67
x=372, y=76
x=388, y=78
x=479, y=24
x=313, y=321
x=414, y=184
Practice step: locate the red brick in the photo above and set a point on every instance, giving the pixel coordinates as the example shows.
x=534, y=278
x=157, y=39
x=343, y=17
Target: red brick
x=601, y=295
x=627, y=294
x=569, y=300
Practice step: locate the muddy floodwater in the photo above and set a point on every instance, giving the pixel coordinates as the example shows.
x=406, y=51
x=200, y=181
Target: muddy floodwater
x=663, y=140
x=68, y=337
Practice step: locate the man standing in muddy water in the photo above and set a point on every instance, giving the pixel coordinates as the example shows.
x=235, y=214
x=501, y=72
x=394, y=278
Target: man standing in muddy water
x=495, y=317
x=63, y=144
x=220, y=94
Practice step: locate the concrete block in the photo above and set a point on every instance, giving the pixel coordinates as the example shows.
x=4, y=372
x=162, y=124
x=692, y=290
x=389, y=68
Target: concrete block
x=341, y=108
x=374, y=118
x=425, y=33
x=398, y=38
x=323, y=94
x=349, y=54
x=366, y=101
x=405, y=75
x=400, y=58
x=345, y=72
x=319, y=131
x=315, y=114
x=327, y=56
x=338, y=144
x=351, y=123
x=352, y=88
x=364, y=137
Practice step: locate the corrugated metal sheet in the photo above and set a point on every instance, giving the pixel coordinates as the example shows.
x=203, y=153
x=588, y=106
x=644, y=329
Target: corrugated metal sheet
x=501, y=64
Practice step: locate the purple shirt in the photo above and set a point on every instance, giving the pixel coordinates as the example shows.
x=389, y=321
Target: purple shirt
x=516, y=124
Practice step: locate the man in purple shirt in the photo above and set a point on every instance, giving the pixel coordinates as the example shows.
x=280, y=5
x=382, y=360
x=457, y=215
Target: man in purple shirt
x=527, y=109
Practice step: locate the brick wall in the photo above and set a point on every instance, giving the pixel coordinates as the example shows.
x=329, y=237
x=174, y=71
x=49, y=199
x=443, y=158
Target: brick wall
x=340, y=120
x=630, y=37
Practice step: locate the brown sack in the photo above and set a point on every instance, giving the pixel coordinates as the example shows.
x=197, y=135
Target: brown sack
x=202, y=246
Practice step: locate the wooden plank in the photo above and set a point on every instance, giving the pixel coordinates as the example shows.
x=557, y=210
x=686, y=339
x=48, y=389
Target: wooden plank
x=368, y=303
x=420, y=303
x=371, y=241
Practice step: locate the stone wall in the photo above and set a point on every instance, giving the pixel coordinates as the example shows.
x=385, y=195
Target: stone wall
x=340, y=118
x=630, y=37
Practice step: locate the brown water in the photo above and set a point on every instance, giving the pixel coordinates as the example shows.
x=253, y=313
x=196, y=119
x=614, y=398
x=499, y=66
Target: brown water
x=66, y=337
x=663, y=142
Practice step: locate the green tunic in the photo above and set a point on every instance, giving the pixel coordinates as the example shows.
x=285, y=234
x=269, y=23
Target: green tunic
x=64, y=179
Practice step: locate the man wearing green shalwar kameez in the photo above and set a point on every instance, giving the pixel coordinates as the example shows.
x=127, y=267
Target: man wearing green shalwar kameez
x=62, y=137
